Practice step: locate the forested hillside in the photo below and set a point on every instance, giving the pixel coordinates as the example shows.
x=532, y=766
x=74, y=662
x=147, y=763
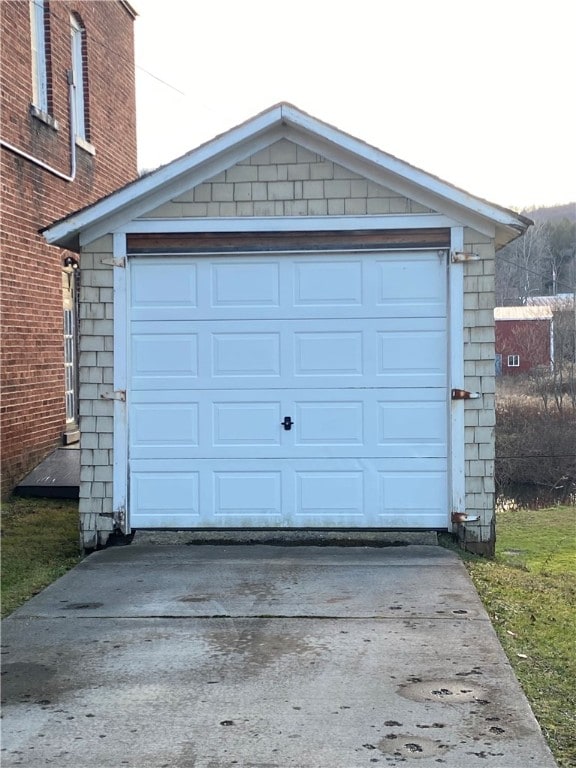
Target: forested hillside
x=543, y=261
x=552, y=213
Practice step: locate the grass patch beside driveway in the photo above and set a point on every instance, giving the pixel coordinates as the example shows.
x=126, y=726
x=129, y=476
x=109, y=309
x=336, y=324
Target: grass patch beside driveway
x=529, y=591
x=40, y=542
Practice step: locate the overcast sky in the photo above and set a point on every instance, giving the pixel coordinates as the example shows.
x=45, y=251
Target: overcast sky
x=479, y=92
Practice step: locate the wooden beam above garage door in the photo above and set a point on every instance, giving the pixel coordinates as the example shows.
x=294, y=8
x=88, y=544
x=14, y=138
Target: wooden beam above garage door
x=211, y=242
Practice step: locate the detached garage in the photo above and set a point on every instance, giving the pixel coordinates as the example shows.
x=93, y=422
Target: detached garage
x=287, y=328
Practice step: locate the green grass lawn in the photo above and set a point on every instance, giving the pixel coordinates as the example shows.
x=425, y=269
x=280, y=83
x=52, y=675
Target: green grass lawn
x=529, y=591
x=40, y=542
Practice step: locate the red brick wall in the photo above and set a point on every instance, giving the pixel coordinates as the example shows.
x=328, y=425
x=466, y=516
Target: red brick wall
x=32, y=374
x=529, y=339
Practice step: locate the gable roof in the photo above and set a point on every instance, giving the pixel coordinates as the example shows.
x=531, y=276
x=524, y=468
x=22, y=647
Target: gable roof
x=282, y=121
x=523, y=313
x=558, y=302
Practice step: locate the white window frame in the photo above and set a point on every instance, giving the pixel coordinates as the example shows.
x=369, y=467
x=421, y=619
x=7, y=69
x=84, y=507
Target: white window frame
x=38, y=49
x=513, y=361
x=78, y=104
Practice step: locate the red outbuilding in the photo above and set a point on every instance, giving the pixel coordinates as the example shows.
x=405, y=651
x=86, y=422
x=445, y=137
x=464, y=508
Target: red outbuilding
x=524, y=339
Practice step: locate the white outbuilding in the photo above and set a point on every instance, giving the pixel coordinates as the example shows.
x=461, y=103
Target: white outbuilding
x=287, y=328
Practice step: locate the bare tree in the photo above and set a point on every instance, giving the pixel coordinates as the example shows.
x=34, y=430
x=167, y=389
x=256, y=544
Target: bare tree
x=561, y=256
x=541, y=262
x=521, y=267
x=564, y=361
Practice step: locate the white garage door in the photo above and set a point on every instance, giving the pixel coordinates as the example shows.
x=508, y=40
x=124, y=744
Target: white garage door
x=305, y=391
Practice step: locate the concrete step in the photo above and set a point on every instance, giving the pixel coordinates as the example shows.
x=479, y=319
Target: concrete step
x=57, y=477
x=286, y=538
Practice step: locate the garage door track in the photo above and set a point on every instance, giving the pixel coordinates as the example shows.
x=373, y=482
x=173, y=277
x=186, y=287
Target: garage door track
x=259, y=656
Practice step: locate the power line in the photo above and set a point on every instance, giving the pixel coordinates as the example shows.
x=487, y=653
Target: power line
x=169, y=85
x=571, y=288
x=115, y=51
x=128, y=60
x=540, y=456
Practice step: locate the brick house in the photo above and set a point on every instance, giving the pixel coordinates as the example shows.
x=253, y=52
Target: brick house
x=524, y=339
x=68, y=137
x=297, y=332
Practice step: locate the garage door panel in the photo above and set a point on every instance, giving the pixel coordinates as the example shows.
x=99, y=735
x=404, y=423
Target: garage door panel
x=254, y=493
x=163, y=286
x=329, y=423
x=383, y=352
x=164, y=498
x=327, y=496
x=245, y=354
x=405, y=354
x=351, y=347
x=245, y=284
x=197, y=424
x=328, y=283
x=413, y=495
x=417, y=281
x=165, y=356
x=412, y=284
x=164, y=425
x=332, y=493
x=412, y=428
x=329, y=353
x=246, y=424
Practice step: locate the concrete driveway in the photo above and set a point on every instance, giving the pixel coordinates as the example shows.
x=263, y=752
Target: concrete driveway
x=236, y=656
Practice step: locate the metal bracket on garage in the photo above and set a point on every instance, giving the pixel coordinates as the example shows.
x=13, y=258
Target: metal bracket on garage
x=118, y=394
x=460, y=257
x=463, y=394
x=120, y=262
x=462, y=517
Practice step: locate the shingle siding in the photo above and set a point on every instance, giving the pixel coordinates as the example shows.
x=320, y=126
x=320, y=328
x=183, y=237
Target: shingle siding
x=95, y=377
x=296, y=181
x=479, y=375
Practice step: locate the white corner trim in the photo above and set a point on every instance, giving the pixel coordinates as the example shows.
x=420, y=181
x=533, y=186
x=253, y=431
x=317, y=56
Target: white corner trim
x=120, y=440
x=456, y=367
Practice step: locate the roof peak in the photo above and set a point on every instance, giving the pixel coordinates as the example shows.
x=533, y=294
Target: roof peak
x=285, y=120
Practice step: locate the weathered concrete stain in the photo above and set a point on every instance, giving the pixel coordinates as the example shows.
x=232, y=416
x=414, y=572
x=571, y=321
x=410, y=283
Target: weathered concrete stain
x=252, y=651
x=444, y=689
x=405, y=745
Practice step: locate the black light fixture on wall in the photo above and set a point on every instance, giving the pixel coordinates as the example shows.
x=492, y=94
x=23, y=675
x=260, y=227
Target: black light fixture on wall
x=70, y=262
x=70, y=266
